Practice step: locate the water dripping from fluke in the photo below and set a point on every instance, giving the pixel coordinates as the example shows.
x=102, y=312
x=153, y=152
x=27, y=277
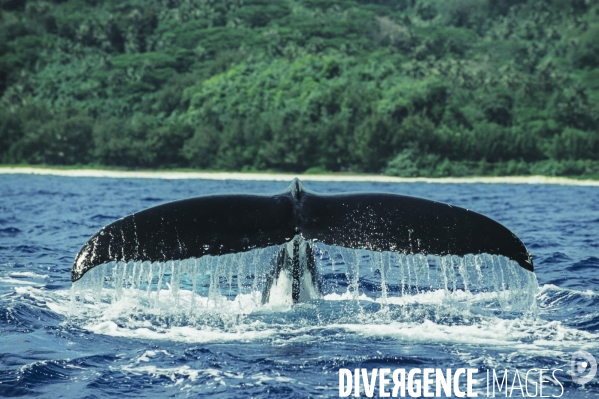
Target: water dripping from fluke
x=198, y=290
x=219, y=258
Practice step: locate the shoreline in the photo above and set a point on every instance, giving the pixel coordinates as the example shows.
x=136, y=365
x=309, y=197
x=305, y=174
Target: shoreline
x=175, y=175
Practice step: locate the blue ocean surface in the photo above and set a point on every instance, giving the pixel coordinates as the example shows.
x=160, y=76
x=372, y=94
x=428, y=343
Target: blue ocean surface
x=149, y=330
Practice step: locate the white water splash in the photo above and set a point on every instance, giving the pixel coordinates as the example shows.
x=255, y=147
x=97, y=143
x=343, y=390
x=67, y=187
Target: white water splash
x=224, y=290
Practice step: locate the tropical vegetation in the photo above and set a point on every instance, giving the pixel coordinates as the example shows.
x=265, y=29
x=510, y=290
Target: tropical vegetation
x=402, y=87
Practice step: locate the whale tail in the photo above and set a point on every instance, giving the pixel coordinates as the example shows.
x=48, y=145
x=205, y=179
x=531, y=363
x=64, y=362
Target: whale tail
x=293, y=220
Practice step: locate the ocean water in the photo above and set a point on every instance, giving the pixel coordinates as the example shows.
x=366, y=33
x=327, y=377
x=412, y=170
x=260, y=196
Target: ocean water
x=198, y=328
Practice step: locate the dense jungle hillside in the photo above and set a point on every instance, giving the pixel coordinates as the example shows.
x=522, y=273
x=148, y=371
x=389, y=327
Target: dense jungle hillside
x=402, y=87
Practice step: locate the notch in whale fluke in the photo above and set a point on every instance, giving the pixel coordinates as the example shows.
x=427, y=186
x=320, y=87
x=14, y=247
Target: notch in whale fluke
x=221, y=224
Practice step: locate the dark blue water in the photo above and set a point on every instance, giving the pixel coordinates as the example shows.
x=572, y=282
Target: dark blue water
x=127, y=341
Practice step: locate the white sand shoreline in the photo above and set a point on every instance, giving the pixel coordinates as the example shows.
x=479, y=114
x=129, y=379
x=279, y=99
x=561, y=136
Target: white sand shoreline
x=288, y=177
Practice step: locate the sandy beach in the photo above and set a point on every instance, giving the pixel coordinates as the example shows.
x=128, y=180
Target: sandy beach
x=289, y=176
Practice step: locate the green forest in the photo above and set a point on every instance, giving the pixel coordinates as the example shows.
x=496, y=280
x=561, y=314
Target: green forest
x=399, y=87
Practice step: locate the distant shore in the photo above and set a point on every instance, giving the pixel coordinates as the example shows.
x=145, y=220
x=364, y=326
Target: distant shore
x=289, y=176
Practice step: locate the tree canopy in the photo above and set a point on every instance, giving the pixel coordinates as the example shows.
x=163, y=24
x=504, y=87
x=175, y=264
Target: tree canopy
x=403, y=87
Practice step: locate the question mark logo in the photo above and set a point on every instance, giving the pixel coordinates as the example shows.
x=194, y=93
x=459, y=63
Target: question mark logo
x=580, y=366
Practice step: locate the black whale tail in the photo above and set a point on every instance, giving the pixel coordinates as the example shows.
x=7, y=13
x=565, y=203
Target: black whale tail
x=293, y=219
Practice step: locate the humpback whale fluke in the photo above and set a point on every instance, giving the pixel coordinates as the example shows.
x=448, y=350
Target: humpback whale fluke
x=294, y=219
